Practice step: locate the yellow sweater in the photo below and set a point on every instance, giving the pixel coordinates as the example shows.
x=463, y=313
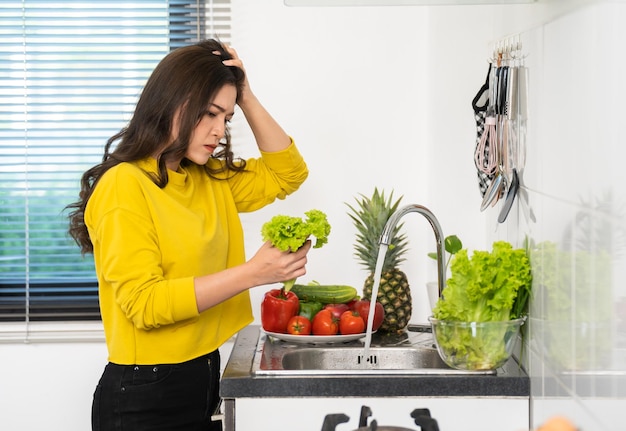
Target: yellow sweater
x=150, y=243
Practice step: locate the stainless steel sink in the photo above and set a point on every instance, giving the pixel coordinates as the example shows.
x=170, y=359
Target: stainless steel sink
x=413, y=355
x=352, y=358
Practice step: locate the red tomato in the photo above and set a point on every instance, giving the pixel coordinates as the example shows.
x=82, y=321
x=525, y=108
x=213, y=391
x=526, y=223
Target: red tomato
x=337, y=309
x=351, y=323
x=299, y=325
x=324, y=323
x=362, y=307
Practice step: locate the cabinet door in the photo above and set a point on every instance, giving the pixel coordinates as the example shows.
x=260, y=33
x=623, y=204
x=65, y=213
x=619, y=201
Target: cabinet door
x=452, y=414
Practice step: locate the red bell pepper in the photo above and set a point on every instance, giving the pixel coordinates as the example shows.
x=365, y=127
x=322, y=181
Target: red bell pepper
x=277, y=308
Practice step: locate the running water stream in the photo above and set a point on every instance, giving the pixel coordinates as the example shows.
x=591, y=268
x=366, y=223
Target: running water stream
x=382, y=251
x=385, y=240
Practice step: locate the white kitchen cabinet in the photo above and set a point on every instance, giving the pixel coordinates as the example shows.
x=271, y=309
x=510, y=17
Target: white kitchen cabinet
x=452, y=414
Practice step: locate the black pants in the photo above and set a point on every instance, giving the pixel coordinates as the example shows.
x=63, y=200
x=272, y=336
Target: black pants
x=158, y=397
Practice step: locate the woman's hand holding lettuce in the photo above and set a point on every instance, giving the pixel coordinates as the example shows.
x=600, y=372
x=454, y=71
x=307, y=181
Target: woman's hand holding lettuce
x=288, y=233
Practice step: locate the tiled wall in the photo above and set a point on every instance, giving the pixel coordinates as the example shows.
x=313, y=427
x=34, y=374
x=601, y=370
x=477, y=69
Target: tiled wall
x=575, y=215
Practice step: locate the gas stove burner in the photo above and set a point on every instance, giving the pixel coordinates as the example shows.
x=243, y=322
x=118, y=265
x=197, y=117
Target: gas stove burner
x=421, y=416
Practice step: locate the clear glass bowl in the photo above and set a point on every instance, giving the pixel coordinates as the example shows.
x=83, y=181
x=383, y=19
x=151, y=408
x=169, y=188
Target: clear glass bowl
x=475, y=345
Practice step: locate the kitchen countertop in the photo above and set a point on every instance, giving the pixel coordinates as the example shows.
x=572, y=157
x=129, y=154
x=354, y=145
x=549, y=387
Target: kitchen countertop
x=238, y=380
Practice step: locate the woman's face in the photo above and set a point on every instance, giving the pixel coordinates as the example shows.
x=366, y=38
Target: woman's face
x=211, y=128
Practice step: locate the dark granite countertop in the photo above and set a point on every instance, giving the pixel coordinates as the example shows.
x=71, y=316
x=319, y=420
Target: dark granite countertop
x=238, y=380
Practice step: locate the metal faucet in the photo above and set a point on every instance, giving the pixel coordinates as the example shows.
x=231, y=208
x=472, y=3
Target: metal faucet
x=385, y=237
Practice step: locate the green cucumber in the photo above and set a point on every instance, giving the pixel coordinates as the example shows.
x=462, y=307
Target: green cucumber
x=326, y=294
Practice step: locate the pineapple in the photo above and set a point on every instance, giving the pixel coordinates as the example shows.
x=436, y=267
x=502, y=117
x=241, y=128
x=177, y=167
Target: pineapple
x=370, y=217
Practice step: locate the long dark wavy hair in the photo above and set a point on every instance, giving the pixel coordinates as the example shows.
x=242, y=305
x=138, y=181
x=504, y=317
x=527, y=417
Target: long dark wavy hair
x=187, y=78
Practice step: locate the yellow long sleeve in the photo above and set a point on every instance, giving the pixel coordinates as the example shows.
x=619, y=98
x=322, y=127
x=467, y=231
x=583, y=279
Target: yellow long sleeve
x=150, y=243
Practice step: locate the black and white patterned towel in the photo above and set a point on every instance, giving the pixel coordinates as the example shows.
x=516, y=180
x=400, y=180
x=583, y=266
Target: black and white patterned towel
x=480, y=104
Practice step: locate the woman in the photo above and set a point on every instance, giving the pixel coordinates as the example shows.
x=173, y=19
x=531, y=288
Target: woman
x=160, y=215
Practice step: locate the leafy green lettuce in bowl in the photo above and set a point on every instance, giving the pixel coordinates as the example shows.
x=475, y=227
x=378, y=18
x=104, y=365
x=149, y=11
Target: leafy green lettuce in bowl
x=475, y=345
x=477, y=320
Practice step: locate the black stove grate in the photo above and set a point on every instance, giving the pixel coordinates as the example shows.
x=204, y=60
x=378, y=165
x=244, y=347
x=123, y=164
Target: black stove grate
x=422, y=418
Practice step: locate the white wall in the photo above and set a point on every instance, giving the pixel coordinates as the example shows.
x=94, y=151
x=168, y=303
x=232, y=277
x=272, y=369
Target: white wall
x=374, y=97
x=48, y=386
x=380, y=96
x=573, y=180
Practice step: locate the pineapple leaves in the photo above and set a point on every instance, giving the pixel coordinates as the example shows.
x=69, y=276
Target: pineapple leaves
x=369, y=216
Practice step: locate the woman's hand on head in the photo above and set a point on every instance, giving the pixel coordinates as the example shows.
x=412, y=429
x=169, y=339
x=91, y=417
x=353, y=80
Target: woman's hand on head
x=275, y=266
x=236, y=62
x=269, y=135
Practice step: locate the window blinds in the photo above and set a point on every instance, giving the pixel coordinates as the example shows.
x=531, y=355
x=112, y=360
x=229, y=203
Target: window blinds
x=70, y=74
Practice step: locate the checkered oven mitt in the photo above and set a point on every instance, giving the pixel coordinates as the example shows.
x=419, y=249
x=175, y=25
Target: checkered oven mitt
x=480, y=104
